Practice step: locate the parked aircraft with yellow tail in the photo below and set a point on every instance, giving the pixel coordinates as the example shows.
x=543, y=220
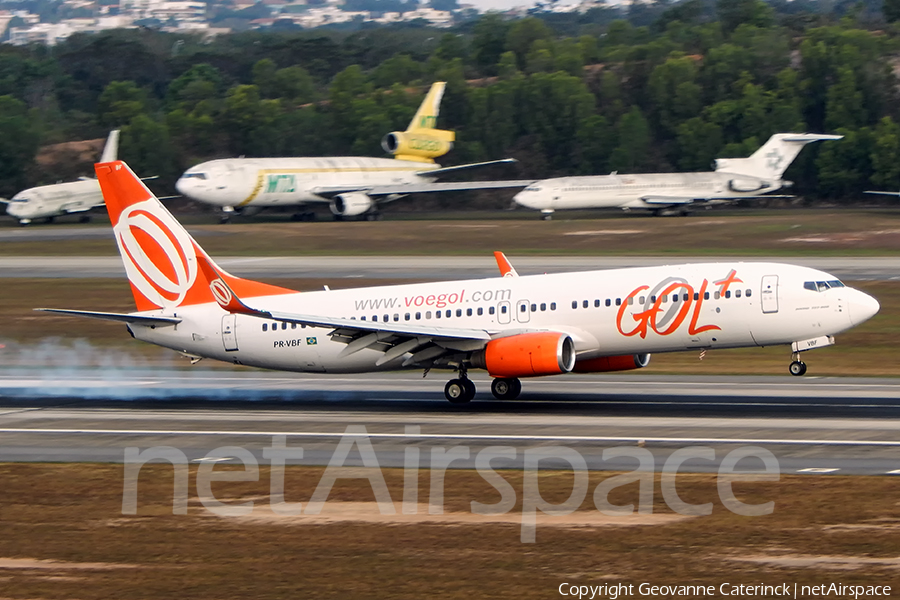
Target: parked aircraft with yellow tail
x=352, y=186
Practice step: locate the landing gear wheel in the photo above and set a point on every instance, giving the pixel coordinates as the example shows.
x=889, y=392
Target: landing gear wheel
x=506, y=389
x=459, y=391
x=797, y=368
x=470, y=388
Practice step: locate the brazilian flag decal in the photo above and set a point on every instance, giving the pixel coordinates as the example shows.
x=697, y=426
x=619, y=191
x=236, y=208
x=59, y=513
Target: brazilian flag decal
x=311, y=341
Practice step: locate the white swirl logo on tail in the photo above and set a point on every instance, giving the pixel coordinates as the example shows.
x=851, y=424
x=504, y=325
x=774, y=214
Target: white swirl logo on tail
x=157, y=252
x=220, y=292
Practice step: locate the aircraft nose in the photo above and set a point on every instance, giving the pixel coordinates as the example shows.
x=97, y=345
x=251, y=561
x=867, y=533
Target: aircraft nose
x=862, y=307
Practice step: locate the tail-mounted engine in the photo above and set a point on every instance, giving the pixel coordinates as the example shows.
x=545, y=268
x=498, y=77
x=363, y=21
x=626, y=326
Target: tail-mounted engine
x=351, y=204
x=419, y=145
x=527, y=355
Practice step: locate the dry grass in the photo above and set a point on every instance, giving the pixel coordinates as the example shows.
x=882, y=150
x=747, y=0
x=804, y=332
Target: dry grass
x=834, y=232
x=868, y=350
x=73, y=513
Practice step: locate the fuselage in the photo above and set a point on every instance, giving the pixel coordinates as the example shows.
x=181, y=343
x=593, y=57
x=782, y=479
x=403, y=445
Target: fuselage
x=639, y=191
x=607, y=313
x=55, y=200
x=268, y=182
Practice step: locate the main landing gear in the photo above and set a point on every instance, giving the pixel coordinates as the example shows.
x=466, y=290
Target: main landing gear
x=462, y=390
x=506, y=389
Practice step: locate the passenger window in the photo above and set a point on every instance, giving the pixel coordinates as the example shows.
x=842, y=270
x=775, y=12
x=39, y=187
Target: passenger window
x=748, y=293
x=706, y=295
x=427, y=314
x=523, y=308
x=652, y=299
x=618, y=302
x=686, y=297
x=534, y=308
x=397, y=317
x=631, y=301
x=737, y=293
x=375, y=318
x=284, y=324
x=468, y=312
x=449, y=313
x=386, y=318
x=574, y=303
x=728, y=293
x=480, y=311
x=696, y=295
x=418, y=316
x=585, y=304
x=717, y=295
x=458, y=312
x=641, y=299
x=608, y=302
x=490, y=310
x=294, y=325
x=596, y=303
x=437, y=314
x=265, y=326
x=553, y=306
x=503, y=309
x=543, y=306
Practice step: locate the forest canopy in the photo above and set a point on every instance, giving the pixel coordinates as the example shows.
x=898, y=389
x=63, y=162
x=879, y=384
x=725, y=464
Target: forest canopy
x=656, y=87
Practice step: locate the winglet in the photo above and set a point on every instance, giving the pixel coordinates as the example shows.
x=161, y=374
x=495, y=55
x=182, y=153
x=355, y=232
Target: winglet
x=221, y=291
x=506, y=268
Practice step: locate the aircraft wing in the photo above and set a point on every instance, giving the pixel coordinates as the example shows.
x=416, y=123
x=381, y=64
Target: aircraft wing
x=4, y=201
x=455, y=169
x=417, y=188
x=394, y=339
x=867, y=192
x=148, y=320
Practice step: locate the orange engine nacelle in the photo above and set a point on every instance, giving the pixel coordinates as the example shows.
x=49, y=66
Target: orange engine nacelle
x=605, y=364
x=527, y=355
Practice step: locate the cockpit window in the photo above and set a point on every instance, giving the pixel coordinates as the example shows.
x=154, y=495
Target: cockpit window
x=22, y=200
x=194, y=176
x=821, y=286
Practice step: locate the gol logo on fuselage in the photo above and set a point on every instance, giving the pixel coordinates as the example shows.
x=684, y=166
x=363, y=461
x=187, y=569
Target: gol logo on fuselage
x=667, y=321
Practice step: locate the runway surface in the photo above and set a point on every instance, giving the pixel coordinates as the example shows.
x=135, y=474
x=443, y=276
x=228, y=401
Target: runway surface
x=814, y=426
x=425, y=267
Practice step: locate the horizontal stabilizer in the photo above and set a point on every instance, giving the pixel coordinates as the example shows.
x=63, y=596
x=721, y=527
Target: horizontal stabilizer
x=447, y=170
x=121, y=317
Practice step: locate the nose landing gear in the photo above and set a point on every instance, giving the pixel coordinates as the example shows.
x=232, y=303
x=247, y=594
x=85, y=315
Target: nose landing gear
x=797, y=368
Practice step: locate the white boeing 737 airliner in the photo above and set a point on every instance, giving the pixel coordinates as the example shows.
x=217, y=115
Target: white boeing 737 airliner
x=512, y=326
x=58, y=199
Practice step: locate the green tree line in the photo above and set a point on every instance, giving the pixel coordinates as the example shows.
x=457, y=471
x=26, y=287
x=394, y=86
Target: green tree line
x=655, y=87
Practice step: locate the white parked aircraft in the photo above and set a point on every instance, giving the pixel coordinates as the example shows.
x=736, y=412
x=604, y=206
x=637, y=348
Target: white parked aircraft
x=513, y=326
x=58, y=199
x=880, y=193
x=666, y=193
x=352, y=186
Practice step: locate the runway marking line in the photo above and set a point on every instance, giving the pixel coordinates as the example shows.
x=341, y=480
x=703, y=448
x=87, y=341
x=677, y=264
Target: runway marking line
x=461, y=436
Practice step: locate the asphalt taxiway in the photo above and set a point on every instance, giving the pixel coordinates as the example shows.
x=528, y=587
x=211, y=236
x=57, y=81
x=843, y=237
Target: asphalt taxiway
x=429, y=267
x=814, y=426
